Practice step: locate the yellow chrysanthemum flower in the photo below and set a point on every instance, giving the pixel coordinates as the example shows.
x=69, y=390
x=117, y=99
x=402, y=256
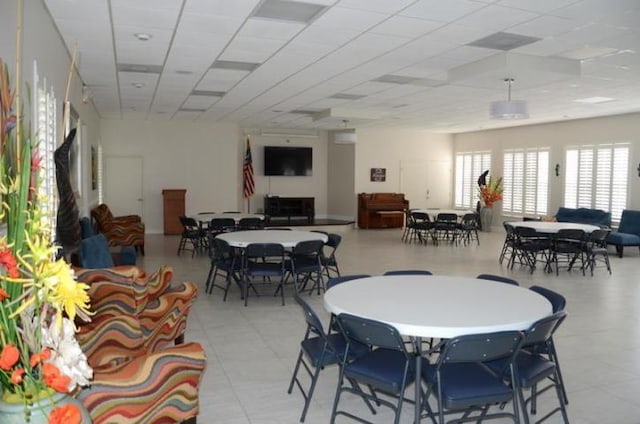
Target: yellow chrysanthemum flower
x=66, y=294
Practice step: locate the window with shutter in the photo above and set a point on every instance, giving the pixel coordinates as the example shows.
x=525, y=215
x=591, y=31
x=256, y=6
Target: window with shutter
x=596, y=177
x=469, y=167
x=526, y=181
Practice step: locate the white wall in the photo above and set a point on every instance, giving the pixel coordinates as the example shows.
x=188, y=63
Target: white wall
x=42, y=42
x=398, y=149
x=558, y=136
x=291, y=186
x=341, y=195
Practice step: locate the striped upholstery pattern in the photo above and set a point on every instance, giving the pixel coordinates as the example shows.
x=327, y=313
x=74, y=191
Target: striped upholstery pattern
x=127, y=230
x=160, y=308
x=159, y=387
x=139, y=376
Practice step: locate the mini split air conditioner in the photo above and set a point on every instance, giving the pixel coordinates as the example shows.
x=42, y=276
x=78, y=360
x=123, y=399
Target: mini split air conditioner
x=345, y=137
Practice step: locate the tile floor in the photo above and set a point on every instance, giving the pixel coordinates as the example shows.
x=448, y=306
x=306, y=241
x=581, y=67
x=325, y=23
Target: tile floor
x=251, y=351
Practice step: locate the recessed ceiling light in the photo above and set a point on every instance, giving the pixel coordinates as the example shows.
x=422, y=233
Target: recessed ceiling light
x=138, y=84
x=182, y=72
x=594, y=100
x=286, y=10
x=142, y=36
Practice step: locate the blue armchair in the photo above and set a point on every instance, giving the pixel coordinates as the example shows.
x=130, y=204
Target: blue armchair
x=96, y=253
x=628, y=233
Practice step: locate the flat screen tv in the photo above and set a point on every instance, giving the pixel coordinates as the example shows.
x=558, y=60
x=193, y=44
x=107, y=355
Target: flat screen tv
x=288, y=161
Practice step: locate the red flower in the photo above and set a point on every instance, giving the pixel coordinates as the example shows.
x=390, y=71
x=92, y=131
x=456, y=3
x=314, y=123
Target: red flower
x=9, y=357
x=16, y=376
x=3, y=295
x=65, y=414
x=36, y=358
x=55, y=380
x=9, y=262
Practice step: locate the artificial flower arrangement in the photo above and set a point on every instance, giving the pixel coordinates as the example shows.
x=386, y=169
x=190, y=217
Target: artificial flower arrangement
x=490, y=192
x=39, y=296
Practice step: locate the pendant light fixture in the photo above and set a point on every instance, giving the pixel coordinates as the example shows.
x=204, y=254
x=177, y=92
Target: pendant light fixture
x=509, y=109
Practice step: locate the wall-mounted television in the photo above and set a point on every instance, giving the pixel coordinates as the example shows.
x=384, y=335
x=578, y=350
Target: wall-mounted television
x=288, y=161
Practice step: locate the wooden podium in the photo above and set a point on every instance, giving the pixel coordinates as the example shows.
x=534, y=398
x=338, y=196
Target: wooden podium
x=173, y=206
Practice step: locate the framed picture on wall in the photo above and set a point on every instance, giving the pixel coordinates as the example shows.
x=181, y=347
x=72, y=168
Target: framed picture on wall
x=378, y=174
x=94, y=168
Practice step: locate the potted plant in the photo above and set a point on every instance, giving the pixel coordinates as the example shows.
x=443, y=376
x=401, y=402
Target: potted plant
x=41, y=363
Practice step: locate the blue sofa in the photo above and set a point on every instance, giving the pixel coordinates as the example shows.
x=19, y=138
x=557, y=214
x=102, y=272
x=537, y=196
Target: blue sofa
x=584, y=216
x=628, y=233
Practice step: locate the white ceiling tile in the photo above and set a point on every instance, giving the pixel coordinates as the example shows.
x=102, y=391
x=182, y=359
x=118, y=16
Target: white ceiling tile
x=270, y=29
x=235, y=8
x=544, y=26
x=445, y=11
x=220, y=79
x=496, y=17
x=212, y=24
x=403, y=26
x=171, y=5
x=250, y=49
x=540, y=6
x=149, y=18
x=199, y=102
x=382, y=6
x=338, y=17
x=458, y=34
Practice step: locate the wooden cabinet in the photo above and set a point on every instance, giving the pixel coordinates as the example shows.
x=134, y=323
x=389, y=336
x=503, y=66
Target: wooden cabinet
x=275, y=206
x=173, y=206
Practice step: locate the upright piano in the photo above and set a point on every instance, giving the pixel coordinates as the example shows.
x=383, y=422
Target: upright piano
x=381, y=210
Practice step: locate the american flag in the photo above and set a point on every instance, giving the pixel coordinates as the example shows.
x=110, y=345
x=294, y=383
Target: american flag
x=247, y=173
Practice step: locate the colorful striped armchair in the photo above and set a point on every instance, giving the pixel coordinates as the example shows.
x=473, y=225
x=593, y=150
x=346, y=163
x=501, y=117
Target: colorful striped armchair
x=143, y=373
x=126, y=230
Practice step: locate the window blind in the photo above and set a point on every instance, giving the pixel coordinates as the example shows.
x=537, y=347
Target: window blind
x=469, y=167
x=526, y=181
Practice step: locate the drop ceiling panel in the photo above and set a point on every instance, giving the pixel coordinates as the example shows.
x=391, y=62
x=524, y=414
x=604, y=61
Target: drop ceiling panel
x=403, y=26
x=496, y=17
x=544, y=26
x=126, y=15
x=265, y=28
x=339, y=17
x=382, y=6
x=445, y=11
x=345, y=50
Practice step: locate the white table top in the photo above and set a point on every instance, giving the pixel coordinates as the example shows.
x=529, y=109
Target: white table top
x=433, y=213
x=206, y=217
x=554, y=227
x=287, y=239
x=438, y=306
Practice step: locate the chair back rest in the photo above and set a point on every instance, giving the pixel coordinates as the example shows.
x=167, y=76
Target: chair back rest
x=543, y=329
x=420, y=217
x=264, y=250
x=86, y=228
x=599, y=237
x=447, y=217
x=334, y=240
x=526, y=232
x=344, y=278
x=231, y=212
x=371, y=333
x=102, y=215
x=481, y=347
x=308, y=248
x=470, y=218
x=250, y=224
x=221, y=249
x=558, y=301
x=498, y=278
x=188, y=222
x=310, y=316
x=570, y=234
x=509, y=228
x=222, y=224
x=408, y=272
x=95, y=253
x=630, y=222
